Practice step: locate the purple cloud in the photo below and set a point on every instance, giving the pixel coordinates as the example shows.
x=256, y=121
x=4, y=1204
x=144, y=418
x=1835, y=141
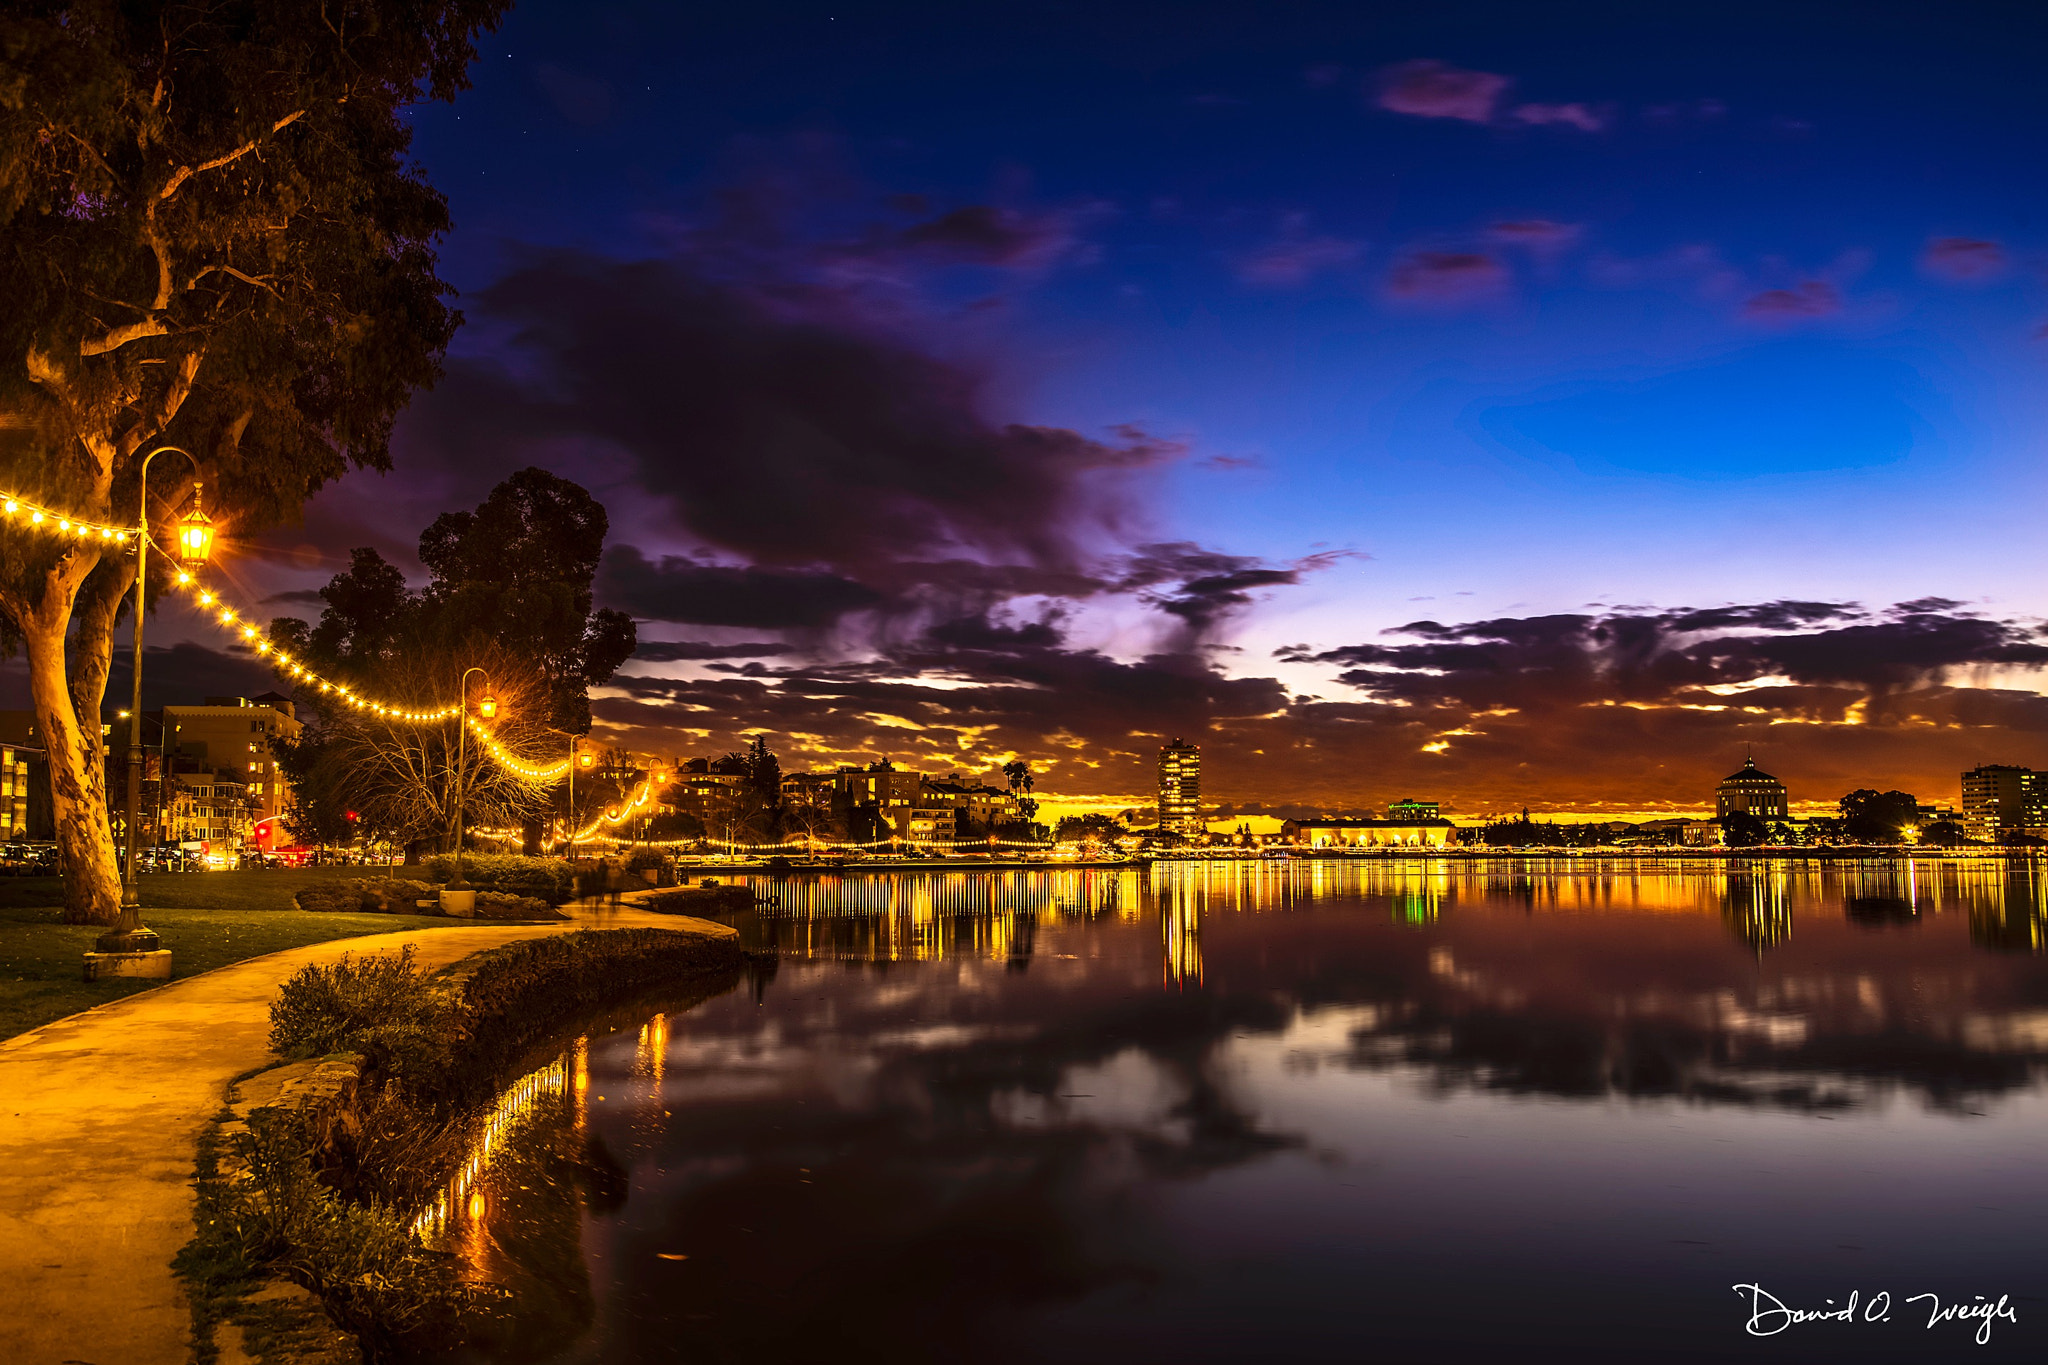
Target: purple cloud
x=1537, y=235
x=1963, y=260
x=1446, y=278
x=1430, y=89
x=1811, y=299
x=1574, y=115
x=1293, y=258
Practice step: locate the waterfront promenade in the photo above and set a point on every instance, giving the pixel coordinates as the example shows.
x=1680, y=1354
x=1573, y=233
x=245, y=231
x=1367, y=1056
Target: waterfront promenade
x=100, y=1118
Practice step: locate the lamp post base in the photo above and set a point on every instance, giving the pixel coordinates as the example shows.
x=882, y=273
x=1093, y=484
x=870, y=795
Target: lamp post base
x=146, y=965
x=136, y=940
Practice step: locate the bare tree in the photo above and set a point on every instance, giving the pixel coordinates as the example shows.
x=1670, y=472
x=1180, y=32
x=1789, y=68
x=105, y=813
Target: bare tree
x=404, y=781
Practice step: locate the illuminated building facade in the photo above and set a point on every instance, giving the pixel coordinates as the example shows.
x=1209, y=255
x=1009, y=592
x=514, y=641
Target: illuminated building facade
x=14, y=789
x=1751, y=791
x=2001, y=801
x=210, y=808
x=233, y=739
x=1369, y=833
x=1180, y=790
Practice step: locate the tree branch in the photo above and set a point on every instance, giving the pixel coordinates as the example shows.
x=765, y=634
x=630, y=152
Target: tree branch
x=184, y=173
x=175, y=393
x=115, y=338
x=260, y=281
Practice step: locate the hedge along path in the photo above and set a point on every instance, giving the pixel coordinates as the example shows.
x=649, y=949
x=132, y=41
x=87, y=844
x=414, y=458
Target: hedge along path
x=100, y=1118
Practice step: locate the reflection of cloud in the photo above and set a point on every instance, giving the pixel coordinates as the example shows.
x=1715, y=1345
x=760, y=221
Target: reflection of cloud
x=1431, y=89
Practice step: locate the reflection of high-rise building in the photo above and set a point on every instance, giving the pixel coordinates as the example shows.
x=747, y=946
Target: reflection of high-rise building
x=1751, y=792
x=1180, y=789
x=1180, y=936
x=2000, y=800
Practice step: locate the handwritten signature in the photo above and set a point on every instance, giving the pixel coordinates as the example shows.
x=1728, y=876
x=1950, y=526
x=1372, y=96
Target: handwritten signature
x=1770, y=1315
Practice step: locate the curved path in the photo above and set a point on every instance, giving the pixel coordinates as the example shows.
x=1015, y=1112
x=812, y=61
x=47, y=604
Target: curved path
x=100, y=1117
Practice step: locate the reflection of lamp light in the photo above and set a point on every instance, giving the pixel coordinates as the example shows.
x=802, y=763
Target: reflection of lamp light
x=195, y=533
x=487, y=707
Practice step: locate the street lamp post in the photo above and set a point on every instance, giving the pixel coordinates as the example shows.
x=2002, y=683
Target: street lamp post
x=570, y=818
x=194, y=546
x=573, y=761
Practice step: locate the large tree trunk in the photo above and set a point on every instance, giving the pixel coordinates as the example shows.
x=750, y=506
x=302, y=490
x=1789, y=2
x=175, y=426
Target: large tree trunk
x=78, y=781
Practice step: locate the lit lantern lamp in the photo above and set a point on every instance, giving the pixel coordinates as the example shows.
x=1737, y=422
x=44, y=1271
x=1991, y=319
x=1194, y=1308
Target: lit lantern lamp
x=195, y=533
x=585, y=759
x=487, y=706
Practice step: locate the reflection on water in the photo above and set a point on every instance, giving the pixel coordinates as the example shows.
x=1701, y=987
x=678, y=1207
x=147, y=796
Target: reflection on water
x=1303, y=1111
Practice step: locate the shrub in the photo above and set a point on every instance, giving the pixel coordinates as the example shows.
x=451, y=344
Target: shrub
x=378, y=1006
x=522, y=994
x=396, y=895
x=330, y=898
x=396, y=1142
x=361, y=1259
x=384, y=895
x=504, y=905
x=710, y=899
x=548, y=879
x=643, y=859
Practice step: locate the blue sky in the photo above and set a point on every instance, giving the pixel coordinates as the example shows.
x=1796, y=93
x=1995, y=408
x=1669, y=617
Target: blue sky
x=1455, y=313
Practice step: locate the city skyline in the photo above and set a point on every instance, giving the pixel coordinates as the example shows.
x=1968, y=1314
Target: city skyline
x=1515, y=412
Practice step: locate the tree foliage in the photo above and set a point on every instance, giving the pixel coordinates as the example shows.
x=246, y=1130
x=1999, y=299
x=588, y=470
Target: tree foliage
x=1743, y=830
x=525, y=618
x=1018, y=772
x=518, y=570
x=1871, y=817
x=211, y=234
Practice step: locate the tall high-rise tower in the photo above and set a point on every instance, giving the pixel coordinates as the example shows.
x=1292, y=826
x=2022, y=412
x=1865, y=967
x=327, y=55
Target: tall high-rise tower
x=1180, y=789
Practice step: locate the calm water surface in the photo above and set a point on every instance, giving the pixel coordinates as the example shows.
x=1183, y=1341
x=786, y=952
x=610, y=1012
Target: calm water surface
x=1343, y=1112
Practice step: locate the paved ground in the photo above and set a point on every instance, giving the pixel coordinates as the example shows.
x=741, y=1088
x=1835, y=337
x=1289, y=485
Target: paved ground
x=100, y=1117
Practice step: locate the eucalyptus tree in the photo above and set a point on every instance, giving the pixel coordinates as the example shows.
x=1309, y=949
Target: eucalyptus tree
x=211, y=235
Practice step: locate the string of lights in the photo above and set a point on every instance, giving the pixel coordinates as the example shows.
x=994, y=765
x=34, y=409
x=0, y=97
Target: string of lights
x=216, y=609
x=213, y=606
x=532, y=772
x=618, y=815
x=16, y=510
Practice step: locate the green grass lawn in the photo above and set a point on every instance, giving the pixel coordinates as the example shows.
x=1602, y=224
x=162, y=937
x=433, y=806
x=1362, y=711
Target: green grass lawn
x=207, y=919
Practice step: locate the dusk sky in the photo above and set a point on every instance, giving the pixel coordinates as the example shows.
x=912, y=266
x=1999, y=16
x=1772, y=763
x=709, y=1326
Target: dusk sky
x=1496, y=403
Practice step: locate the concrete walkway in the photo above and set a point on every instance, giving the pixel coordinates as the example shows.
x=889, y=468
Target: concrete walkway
x=100, y=1118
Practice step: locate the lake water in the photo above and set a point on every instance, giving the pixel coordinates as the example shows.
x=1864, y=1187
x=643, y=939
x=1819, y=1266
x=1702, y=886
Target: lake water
x=1307, y=1112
